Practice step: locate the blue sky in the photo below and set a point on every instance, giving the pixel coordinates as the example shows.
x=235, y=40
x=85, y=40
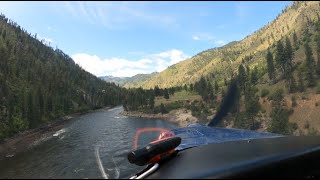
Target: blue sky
x=126, y=38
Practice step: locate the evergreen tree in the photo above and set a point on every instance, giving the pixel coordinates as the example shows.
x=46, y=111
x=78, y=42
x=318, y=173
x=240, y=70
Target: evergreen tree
x=252, y=105
x=281, y=57
x=270, y=66
x=289, y=54
x=157, y=91
x=163, y=109
x=203, y=85
x=242, y=77
x=254, y=75
x=310, y=65
x=151, y=100
x=279, y=115
x=166, y=93
x=216, y=86
x=291, y=83
x=30, y=111
x=191, y=87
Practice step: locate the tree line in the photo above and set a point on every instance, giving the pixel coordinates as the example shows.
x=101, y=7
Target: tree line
x=144, y=99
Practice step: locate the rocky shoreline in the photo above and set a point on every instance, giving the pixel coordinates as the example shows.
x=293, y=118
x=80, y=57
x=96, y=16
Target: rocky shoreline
x=181, y=117
x=24, y=140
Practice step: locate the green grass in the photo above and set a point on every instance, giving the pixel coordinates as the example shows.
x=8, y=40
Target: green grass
x=272, y=88
x=178, y=96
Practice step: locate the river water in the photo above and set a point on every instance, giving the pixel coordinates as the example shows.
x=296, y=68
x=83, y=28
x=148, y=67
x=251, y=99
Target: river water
x=94, y=145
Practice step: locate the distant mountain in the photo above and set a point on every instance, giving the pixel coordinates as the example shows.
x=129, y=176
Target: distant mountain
x=128, y=82
x=117, y=80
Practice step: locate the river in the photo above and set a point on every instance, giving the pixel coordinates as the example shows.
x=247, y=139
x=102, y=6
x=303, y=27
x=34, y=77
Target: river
x=94, y=145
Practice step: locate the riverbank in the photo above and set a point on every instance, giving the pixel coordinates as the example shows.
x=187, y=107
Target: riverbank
x=24, y=140
x=181, y=117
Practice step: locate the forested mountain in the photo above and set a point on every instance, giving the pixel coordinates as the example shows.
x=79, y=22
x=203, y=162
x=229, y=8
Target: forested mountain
x=39, y=83
x=223, y=62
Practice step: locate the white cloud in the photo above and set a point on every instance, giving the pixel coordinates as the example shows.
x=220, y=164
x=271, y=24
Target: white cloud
x=173, y=55
x=195, y=38
x=51, y=29
x=203, y=37
x=45, y=40
x=220, y=42
x=208, y=37
x=123, y=67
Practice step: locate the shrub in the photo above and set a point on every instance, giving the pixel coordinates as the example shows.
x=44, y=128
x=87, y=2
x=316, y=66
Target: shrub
x=174, y=105
x=312, y=132
x=264, y=92
x=163, y=109
x=277, y=95
x=293, y=127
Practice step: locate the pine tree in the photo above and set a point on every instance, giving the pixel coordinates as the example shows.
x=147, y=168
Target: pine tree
x=270, y=66
x=281, y=57
x=41, y=103
x=254, y=75
x=288, y=54
x=291, y=83
x=310, y=65
x=242, y=77
x=166, y=93
x=252, y=105
x=191, y=87
x=151, y=100
x=157, y=91
x=279, y=115
x=216, y=86
x=163, y=109
x=30, y=111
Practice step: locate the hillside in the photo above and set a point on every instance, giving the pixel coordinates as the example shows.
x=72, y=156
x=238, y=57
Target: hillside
x=39, y=84
x=224, y=61
x=137, y=79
